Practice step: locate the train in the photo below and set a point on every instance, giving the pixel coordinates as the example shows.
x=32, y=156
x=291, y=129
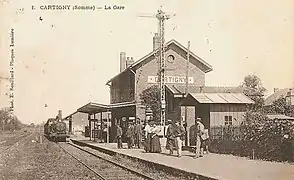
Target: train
x=55, y=130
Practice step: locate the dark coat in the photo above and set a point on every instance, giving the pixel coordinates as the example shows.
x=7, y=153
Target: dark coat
x=119, y=132
x=170, y=134
x=138, y=129
x=130, y=132
x=180, y=132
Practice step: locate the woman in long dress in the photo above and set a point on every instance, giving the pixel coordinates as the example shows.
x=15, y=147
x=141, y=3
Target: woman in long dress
x=148, y=138
x=155, y=143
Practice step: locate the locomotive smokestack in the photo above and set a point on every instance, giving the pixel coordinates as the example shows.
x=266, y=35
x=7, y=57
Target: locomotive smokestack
x=60, y=114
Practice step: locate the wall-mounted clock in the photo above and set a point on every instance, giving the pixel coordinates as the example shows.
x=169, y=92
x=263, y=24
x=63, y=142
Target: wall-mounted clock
x=170, y=58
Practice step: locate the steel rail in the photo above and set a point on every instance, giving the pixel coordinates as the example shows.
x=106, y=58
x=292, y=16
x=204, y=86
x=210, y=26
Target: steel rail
x=88, y=167
x=115, y=163
x=23, y=138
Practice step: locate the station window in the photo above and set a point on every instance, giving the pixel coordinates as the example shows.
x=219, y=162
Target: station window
x=228, y=120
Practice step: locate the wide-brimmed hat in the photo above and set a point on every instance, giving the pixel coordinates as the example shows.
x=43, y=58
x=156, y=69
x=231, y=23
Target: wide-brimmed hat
x=198, y=119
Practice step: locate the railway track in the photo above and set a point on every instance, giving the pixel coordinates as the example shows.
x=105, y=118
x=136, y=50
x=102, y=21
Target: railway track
x=102, y=167
x=22, y=139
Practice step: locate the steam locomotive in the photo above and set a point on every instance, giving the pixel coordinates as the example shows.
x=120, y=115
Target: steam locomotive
x=55, y=130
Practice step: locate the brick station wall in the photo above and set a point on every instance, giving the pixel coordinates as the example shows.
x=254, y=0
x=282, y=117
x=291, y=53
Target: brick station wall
x=177, y=68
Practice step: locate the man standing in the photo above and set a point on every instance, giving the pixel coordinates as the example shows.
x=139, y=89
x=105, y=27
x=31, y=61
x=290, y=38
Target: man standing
x=130, y=135
x=179, y=134
x=199, y=133
x=138, y=134
x=170, y=135
x=118, y=136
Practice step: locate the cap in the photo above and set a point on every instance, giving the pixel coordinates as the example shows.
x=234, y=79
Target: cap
x=198, y=119
x=169, y=120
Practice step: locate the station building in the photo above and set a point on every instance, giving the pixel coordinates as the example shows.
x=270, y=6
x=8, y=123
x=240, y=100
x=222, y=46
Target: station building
x=215, y=105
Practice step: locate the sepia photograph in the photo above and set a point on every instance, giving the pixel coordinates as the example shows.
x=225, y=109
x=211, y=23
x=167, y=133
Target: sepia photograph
x=146, y=89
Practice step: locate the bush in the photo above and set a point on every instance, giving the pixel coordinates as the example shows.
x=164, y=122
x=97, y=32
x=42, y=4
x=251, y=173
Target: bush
x=270, y=140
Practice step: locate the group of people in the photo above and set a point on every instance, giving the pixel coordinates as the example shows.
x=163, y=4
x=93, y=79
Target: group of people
x=175, y=135
x=133, y=134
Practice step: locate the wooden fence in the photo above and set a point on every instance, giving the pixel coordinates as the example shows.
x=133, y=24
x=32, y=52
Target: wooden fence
x=225, y=132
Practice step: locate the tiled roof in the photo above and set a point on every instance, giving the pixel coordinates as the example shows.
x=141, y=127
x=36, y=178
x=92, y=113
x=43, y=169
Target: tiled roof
x=280, y=93
x=180, y=89
x=221, y=98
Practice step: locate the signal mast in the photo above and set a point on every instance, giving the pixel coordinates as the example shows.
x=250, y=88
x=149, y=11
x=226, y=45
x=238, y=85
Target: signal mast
x=161, y=16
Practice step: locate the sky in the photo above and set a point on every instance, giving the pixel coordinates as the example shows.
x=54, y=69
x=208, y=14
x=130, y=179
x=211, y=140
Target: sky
x=64, y=58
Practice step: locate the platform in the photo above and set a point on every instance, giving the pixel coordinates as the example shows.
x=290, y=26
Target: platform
x=212, y=166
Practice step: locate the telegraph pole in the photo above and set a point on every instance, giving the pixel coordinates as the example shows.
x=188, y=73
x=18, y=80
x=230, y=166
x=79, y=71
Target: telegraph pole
x=161, y=16
x=186, y=90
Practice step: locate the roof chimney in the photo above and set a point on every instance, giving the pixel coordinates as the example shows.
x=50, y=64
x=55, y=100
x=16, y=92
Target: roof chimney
x=156, y=41
x=130, y=61
x=122, y=61
x=276, y=89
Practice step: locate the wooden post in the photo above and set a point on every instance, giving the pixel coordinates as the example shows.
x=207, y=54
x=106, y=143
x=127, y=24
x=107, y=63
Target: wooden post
x=186, y=93
x=107, y=138
x=90, y=126
x=101, y=128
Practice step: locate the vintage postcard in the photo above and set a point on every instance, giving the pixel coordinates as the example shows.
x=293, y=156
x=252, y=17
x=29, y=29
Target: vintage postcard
x=147, y=89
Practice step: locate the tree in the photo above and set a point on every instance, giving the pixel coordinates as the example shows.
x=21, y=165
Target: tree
x=253, y=89
x=254, y=115
x=9, y=121
x=151, y=97
x=280, y=106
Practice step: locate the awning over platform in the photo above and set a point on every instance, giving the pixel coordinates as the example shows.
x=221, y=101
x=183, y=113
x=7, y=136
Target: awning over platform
x=216, y=98
x=279, y=116
x=69, y=116
x=123, y=104
x=93, y=108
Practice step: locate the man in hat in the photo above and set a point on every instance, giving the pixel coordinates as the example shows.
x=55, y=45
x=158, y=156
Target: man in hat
x=130, y=135
x=138, y=133
x=180, y=136
x=170, y=135
x=199, y=133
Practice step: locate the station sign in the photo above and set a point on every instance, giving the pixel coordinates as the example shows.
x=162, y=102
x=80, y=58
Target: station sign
x=171, y=80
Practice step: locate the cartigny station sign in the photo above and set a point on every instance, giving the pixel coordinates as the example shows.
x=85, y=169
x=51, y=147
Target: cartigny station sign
x=171, y=79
